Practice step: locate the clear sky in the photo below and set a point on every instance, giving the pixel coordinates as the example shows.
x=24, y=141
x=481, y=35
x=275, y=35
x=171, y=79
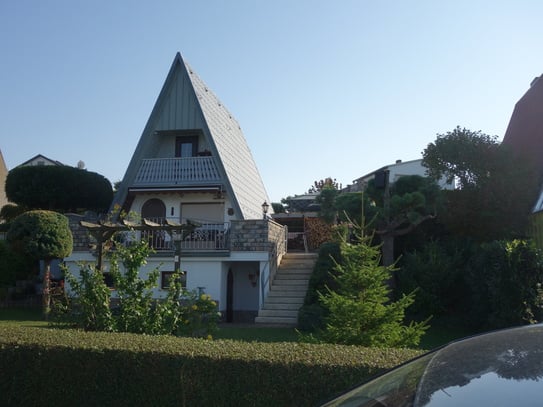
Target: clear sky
x=320, y=88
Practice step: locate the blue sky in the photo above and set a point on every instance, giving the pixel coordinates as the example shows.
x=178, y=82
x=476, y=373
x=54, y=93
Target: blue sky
x=320, y=88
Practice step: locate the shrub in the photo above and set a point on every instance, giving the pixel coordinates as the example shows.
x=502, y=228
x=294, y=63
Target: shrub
x=359, y=310
x=311, y=314
x=14, y=266
x=42, y=235
x=69, y=367
x=134, y=309
x=504, y=278
x=59, y=188
x=435, y=271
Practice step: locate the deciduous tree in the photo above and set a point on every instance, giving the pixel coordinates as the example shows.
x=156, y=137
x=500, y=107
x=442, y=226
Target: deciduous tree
x=497, y=189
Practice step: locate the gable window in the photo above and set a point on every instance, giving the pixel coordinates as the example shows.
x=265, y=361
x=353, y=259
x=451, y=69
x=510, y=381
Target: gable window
x=166, y=278
x=186, y=146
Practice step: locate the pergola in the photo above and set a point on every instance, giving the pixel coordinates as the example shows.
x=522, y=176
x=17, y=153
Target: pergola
x=104, y=231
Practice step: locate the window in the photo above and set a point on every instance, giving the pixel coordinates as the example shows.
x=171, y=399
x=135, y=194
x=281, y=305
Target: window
x=108, y=279
x=186, y=146
x=167, y=275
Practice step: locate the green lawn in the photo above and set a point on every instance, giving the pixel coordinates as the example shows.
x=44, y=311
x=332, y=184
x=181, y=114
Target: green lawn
x=440, y=332
x=22, y=316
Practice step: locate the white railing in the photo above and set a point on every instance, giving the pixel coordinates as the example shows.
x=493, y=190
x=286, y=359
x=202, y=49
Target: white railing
x=205, y=236
x=176, y=171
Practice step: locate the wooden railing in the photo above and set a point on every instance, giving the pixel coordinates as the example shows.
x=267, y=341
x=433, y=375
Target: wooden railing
x=177, y=171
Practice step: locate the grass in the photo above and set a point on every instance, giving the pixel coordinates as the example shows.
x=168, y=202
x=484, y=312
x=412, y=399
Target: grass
x=22, y=316
x=440, y=332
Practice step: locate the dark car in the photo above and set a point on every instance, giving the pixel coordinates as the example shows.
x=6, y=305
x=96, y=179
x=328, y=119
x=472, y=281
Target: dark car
x=501, y=368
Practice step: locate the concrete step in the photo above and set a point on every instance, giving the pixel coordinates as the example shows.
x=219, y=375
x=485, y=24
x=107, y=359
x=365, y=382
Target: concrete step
x=294, y=272
x=277, y=320
x=290, y=282
x=295, y=277
x=283, y=306
x=287, y=290
x=284, y=299
x=278, y=313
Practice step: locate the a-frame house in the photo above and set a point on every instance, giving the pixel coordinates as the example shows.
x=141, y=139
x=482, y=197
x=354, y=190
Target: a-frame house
x=192, y=165
x=192, y=144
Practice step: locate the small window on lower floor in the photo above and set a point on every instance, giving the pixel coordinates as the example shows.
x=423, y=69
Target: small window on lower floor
x=108, y=279
x=167, y=275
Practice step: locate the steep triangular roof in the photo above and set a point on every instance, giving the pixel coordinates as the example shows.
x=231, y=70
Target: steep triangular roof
x=185, y=102
x=524, y=133
x=40, y=156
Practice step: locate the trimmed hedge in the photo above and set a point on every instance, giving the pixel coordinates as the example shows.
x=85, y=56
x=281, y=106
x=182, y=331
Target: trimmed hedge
x=45, y=367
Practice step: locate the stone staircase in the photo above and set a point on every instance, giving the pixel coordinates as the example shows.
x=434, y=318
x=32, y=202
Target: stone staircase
x=288, y=290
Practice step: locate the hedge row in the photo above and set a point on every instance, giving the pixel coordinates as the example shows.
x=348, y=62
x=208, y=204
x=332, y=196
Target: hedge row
x=45, y=367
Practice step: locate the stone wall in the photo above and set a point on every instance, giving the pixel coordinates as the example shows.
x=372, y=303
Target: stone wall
x=81, y=236
x=256, y=235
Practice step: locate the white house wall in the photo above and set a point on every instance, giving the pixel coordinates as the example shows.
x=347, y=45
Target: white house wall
x=209, y=276
x=245, y=294
x=174, y=201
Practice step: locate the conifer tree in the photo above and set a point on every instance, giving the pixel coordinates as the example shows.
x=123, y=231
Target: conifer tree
x=359, y=310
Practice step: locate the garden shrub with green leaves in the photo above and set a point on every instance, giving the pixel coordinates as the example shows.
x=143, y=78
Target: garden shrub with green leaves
x=52, y=367
x=131, y=307
x=505, y=280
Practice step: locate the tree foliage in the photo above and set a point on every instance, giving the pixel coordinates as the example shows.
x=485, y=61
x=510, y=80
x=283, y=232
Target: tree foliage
x=436, y=271
x=328, y=182
x=327, y=201
x=42, y=235
x=134, y=309
x=9, y=212
x=58, y=188
x=359, y=311
x=401, y=208
x=505, y=278
x=349, y=207
x=497, y=188
x=461, y=155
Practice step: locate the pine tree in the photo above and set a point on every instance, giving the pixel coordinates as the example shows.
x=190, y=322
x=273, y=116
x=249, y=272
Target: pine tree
x=359, y=310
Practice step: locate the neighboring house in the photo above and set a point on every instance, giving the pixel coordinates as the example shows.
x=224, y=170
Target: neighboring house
x=3, y=175
x=524, y=134
x=395, y=171
x=39, y=160
x=192, y=166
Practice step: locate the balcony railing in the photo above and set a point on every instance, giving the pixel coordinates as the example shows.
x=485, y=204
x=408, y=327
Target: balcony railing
x=206, y=236
x=177, y=171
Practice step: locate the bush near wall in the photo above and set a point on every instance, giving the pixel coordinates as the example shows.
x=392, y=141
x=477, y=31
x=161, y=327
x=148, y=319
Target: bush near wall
x=46, y=367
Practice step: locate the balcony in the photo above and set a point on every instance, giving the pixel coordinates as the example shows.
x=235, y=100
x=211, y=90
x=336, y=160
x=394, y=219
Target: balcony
x=204, y=237
x=167, y=172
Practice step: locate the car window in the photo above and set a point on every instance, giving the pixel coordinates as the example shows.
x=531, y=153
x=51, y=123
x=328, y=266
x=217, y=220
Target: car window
x=396, y=388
